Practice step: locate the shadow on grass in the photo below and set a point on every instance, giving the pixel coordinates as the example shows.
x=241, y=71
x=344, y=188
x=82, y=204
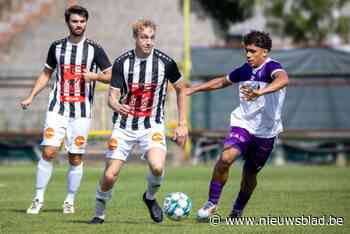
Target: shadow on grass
x=18, y=210
x=42, y=211
x=123, y=221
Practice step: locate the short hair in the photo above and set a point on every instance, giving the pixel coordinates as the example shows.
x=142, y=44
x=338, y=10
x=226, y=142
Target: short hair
x=76, y=9
x=258, y=38
x=140, y=24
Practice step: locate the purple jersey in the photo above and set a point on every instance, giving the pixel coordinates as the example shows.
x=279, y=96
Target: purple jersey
x=261, y=117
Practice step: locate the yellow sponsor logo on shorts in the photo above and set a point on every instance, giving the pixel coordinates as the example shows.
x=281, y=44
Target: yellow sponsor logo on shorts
x=157, y=137
x=49, y=133
x=79, y=141
x=113, y=144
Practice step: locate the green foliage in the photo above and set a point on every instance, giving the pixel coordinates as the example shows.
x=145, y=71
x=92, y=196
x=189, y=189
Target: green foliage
x=226, y=12
x=307, y=22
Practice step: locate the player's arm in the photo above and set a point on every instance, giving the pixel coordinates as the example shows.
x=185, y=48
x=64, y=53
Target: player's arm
x=181, y=131
x=103, y=63
x=114, y=104
x=39, y=85
x=216, y=83
x=279, y=82
x=104, y=77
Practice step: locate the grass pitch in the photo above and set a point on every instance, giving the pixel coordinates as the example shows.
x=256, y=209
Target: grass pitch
x=282, y=191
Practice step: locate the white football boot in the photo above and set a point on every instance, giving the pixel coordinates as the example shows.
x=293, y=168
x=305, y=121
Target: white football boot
x=206, y=211
x=68, y=208
x=35, y=207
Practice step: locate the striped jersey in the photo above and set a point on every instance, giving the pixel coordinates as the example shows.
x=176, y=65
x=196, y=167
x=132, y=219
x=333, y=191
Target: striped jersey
x=143, y=84
x=71, y=96
x=261, y=117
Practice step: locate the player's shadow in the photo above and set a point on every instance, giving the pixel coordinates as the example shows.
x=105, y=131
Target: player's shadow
x=18, y=210
x=43, y=211
x=52, y=211
x=121, y=221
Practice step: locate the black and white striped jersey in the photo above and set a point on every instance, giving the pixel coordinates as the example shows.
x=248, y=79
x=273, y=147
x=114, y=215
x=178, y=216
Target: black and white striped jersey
x=71, y=96
x=143, y=84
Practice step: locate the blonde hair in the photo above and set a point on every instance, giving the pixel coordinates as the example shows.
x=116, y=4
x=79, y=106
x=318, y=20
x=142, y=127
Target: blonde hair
x=141, y=24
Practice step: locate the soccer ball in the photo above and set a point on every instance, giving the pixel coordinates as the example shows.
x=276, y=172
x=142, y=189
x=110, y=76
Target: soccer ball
x=177, y=205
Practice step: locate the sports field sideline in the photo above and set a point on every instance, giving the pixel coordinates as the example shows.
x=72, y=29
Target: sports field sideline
x=289, y=191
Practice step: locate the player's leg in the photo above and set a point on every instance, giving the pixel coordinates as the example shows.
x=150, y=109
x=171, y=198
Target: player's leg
x=54, y=132
x=119, y=147
x=77, y=134
x=105, y=188
x=218, y=180
x=235, y=144
x=44, y=171
x=154, y=145
x=255, y=160
x=248, y=184
x=74, y=176
x=156, y=161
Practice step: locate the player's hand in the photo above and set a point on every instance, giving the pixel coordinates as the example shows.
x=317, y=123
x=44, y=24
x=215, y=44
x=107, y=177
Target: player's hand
x=180, y=135
x=26, y=102
x=249, y=94
x=90, y=76
x=123, y=109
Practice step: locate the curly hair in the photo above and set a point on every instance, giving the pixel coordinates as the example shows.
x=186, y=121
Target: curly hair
x=258, y=38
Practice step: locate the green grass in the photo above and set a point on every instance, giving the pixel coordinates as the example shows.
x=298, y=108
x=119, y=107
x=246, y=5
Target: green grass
x=282, y=191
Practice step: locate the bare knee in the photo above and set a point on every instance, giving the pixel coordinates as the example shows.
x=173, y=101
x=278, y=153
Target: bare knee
x=227, y=159
x=110, y=177
x=75, y=159
x=49, y=153
x=157, y=170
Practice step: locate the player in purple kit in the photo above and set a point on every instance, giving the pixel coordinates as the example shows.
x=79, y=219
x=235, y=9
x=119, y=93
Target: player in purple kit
x=254, y=124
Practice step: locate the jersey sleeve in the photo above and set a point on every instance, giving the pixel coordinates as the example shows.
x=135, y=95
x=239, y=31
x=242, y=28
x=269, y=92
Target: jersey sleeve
x=51, y=61
x=117, y=75
x=274, y=67
x=233, y=76
x=101, y=59
x=173, y=73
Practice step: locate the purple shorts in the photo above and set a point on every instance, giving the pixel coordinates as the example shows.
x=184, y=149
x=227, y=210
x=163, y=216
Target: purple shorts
x=255, y=150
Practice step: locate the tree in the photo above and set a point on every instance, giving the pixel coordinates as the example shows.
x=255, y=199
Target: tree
x=227, y=12
x=307, y=22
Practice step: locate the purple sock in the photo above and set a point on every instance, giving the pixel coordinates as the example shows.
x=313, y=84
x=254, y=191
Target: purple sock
x=215, y=189
x=241, y=200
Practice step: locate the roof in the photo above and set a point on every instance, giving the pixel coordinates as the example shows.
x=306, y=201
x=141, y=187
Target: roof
x=299, y=63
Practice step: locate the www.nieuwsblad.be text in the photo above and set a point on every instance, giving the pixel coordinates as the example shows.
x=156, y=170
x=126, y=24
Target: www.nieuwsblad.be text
x=304, y=220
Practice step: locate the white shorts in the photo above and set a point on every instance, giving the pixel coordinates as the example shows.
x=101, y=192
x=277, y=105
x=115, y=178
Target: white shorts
x=76, y=131
x=122, y=141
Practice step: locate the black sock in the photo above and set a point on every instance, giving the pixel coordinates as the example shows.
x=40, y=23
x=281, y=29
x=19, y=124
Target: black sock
x=241, y=200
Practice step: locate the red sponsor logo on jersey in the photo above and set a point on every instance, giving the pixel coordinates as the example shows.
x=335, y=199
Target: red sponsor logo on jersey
x=141, y=99
x=79, y=141
x=72, y=83
x=113, y=144
x=49, y=133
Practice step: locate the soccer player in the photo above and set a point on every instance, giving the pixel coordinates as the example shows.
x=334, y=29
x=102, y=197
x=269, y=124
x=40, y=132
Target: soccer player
x=137, y=96
x=254, y=124
x=75, y=59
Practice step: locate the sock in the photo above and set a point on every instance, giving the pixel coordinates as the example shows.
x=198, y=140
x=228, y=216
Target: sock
x=101, y=200
x=215, y=189
x=241, y=200
x=153, y=185
x=44, y=171
x=74, y=175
